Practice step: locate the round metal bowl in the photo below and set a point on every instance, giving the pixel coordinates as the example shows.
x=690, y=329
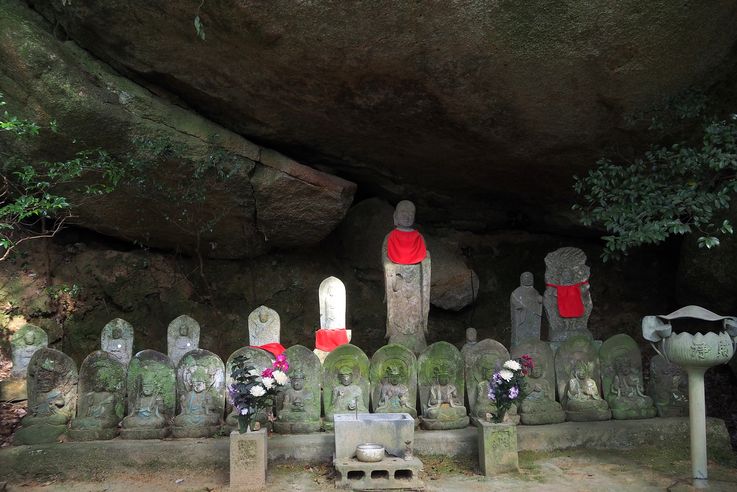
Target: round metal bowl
x=369, y=452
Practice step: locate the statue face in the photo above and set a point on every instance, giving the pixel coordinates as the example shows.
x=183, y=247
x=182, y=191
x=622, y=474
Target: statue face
x=45, y=380
x=117, y=333
x=443, y=379
x=394, y=379
x=580, y=372
x=471, y=334
x=345, y=379
x=567, y=276
x=404, y=214
x=263, y=315
x=298, y=383
x=183, y=331
x=198, y=386
x=29, y=338
x=526, y=279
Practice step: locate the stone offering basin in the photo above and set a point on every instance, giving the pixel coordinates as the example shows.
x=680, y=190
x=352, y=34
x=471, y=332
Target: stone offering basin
x=394, y=431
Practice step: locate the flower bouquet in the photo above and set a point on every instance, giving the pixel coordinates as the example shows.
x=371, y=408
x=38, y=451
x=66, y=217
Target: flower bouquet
x=507, y=385
x=252, y=391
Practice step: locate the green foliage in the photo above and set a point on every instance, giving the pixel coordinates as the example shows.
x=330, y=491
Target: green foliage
x=672, y=190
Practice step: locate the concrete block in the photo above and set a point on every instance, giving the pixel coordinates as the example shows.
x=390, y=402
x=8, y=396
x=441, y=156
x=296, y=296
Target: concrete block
x=388, y=474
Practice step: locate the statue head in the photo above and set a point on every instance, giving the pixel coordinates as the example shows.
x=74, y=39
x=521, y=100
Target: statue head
x=263, y=314
x=404, y=214
x=29, y=338
x=199, y=379
x=393, y=375
x=487, y=371
x=471, y=335
x=345, y=375
x=297, y=379
x=46, y=375
x=567, y=276
x=148, y=383
x=183, y=330
x=527, y=279
x=117, y=333
x=442, y=375
x=581, y=370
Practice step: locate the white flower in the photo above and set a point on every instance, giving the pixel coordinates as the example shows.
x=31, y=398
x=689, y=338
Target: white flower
x=280, y=377
x=244, y=411
x=506, y=374
x=267, y=382
x=513, y=365
x=258, y=391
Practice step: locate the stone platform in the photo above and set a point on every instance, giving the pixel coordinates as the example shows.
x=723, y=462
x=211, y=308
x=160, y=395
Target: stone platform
x=93, y=457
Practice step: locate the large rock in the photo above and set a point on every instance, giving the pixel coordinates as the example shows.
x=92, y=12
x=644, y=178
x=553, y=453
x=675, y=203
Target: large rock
x=202, y=188
x=487, y=104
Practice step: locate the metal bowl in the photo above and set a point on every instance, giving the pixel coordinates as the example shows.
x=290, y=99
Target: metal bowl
x=369, y=452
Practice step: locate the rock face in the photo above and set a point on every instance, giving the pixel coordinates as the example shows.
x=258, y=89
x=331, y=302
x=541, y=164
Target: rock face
x=505, y=99
x=197, y=188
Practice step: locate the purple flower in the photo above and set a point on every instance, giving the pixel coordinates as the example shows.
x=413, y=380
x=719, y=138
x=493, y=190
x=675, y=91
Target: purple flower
x=492, y=394
x=232, y=394
x=513, y=392
x=496, y=378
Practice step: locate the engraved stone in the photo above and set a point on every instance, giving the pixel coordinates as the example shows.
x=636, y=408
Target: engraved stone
x=621, y=368
x=440, y=380
x=566, y=271
x=481, y=361
x=539, y=405
x=117, y=339
x=258, y=358
x=151, y=384
x=578, y=379
x=526, y=305
x=201, y=390
x=332, y=297
x=345, y=382
x=264, y=326
x=393, y=377
x=183, y=335
x=298, y=407
x=668, y=387
x=23, y=344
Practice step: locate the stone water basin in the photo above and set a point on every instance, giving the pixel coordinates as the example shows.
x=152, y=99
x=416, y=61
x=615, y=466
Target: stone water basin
x=392, y=430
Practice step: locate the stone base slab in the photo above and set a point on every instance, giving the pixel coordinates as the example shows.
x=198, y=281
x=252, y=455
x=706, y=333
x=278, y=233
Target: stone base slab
x=93, y=434
x=543, y=418
x=387, y=474
x=39, y=434
x=593, y=416
x=433, y=424
x=639, y=413
x=141, y=434
x=297, y=427
x=13, y=390
x=248, y=460
x=203, y=431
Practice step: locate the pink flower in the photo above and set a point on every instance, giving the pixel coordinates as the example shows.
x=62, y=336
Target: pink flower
x=267, y=373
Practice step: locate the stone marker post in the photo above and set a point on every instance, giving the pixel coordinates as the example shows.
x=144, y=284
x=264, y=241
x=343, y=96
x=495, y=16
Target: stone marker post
x=248, y=460
x=497, y=448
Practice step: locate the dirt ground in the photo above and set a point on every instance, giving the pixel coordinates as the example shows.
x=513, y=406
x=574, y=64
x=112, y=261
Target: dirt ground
x=579, y=470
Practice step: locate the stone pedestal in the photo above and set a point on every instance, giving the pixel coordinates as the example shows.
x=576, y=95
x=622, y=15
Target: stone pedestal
x=39, y=434
x=497, y=448
x=13, y=389
x=92, y=434
x=248, y=460
x=143, y=433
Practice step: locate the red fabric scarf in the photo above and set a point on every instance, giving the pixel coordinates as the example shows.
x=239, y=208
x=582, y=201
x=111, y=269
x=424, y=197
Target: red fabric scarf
x=570, y=304
x=275, y=348
x=406, y=247
x=327, y=340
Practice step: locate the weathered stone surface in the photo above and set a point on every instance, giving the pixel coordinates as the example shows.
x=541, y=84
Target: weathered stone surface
x=526, y=306
x=578, y=377
x=248, y=460
x=242, y=206
x=389, y=104
x=23, y=344
x=201, y=391
x=260, y=359
x=668, y=388
x=152, y=389
x=182, y=335
x=101, y=402
x=298, y=407
x=393, y=431
x=539, y=406
x=345, y=384
x=621, y=379
x=497, y=448
x=264, y=326
x=566, y=267
x=117, y=339
x=480, y=361
x=442, y=390
x=453, y=284
x=393, y=375
x=333, y=302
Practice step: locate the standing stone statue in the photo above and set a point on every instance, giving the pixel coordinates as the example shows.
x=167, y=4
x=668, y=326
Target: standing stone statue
x=23, y=344
x=258, y=358
x=577, y=374
x=539, y=405
x=567, y=297
x=332, y=332
x=481, y=361
x=151, y=385
x=393, y=377
x=52, y=397
x=298, y=408
x=527, y=310
x=101, y=403
x=201, y=390
x=668, y=387
x=345, y=382
x=407, y=281
x=440, y=378
x=264, y=326
x=621, y=367
x=182, y=336
x=471, y=339
x=117, y=339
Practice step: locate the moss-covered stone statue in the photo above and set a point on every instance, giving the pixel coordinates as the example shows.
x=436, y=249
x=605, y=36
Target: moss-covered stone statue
x=539, y=405
x=201, y=390
x=441, y=384
x=182, y=335
x=393, y=377
x=117, y=339
x=260, y=359
x=23, y=344
x=151, y=396
x=668, y=388
x=345, y=382
x=621, y=367
x=52, y=397
x=577, y=375
x=101, y=402
x=298, y=407
x=567, y=297
x=481, y=360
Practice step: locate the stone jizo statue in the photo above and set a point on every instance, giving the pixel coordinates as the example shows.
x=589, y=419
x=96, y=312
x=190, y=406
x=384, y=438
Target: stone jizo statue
x=668, y=388
x=23, y=344
x=394, y=395
x=444, y=402
x=183, y=335
x=407, y=269
x=198, y=408
x=332, y=333
x=582, y=394
x=146, y=410
x=264, y=326
x=347, y=397
x=539, y=405
x=621, y=364
x=295, y=397
x=471, y=339
x=526, y=306
x=567, y=297
x=117, y=339
x=298, y=409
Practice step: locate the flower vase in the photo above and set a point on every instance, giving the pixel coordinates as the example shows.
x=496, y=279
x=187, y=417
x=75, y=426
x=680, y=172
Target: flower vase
x=497, y=444
x=244, y=424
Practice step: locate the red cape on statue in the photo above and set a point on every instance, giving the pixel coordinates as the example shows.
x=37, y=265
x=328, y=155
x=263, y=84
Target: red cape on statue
x=406, y=247
x=275, y=348
x=570, y=304
x=327, y=340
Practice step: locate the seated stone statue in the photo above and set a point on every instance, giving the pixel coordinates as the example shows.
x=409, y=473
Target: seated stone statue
x=627, y=398
x=444, y=403
x=97, y=409
x=294, y=407
x=50, y=404
x=347, y=397
x=583, y=401
x=539, y=406
x=198, y=409
x=394, y=395
x=147, y=406
x=484, y=407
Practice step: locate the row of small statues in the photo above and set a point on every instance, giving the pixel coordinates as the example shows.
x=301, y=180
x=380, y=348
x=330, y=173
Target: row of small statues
x=187, y=399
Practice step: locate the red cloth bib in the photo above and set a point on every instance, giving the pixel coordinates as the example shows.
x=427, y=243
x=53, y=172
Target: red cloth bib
x=275, y=348
x=406, y=247
x=327, y=340
x=570, y=304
